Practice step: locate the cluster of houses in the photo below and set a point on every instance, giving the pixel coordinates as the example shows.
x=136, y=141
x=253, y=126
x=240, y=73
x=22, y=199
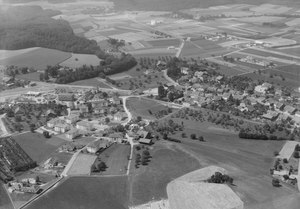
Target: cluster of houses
x=28, y=185
x=204, y=89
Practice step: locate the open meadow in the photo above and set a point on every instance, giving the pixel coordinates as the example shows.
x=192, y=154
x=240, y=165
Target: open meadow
x=149, y=182
x=82, y=164
x=5, y=202
x=37, y=146
x=91, y=82
x=86, y=192
x=116, y=159
x=248, y=161
x=78, y=60
x=144, y=108
x=38, y=58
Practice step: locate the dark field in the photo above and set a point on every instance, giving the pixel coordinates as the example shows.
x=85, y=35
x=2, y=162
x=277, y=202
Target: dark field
x=38, y=58
x=165, y=43
x=285, y=75
x=86, y=193
x=37, y=146
x=173, y=5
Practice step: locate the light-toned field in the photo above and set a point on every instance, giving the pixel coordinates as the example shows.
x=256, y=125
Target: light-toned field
x=5, y=202
x=91, y=82
x=120, y=76
x=82, y=165
x=287, y=150
x=260, y=19
x=78, y=60
x=38, y=58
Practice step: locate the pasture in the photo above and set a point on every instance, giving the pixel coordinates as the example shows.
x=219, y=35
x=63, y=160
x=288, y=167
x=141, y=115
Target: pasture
x=91, y=82
x=37, y=146
x=144, y=107
x=149, y=182
x=35, y=76
x=5, y=202
x=38, y=58
x=82, y=164
x=248, y=161
x=116, y=159
x=288, y=75
x=86, y=192
x=78, y=60
x=164, y=42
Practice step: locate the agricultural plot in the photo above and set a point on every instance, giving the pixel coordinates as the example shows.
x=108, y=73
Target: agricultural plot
x=91, y=82
x=86, y=192
x=248, y=161
x=82, y=165
x=5, y=202
x=141, y=107
x=164, y=43
x=37, y=146
x=149, y=183
x=116, y=159
x=35, y=76
x=282, y=76
x=78, y=60
x=260, y=19
x=38, y=58
x=267, y=54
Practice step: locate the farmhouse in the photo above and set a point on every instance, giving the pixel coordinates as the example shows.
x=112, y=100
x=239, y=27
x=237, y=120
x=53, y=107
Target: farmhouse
x=72, y=119
x=290, y=110
x=117, y=137
x=98, y=145
x=73, y=133
x=145, y=141
x=61, y=127
x=119, y=116
x=84, y=126
x=271, y=115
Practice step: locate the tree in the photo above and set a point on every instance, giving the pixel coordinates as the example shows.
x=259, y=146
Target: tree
x=46, y=134
x=276, y=183
x=193, y=136
x=201, y=138
x=42, y=76
x=296, y=154
x=37, y=179
x=107, y=120
x=32, y=127
x=183, y=135
x=161, y=91
x=101, y=166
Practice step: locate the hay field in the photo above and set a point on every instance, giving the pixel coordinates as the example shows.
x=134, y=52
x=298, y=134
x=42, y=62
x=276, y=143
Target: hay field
x=78, y=60
x=37, y=146
x=82, y=164
x=38, y=58
x=87, y=193
x=5, y=202
x=149, y=182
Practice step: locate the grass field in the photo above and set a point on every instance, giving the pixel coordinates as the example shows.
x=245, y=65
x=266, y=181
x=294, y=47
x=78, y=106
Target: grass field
x=5, y=202
x=290, y=73
x=141, y=107
x=38, y=58
x=91, y=82
x=149, y=182
x=37, y=146
x=116, y=159
x=86, y=192
x=78, y=60
x=165, y=43
x=248, y=161
x=82, y=165
x=35, y=76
